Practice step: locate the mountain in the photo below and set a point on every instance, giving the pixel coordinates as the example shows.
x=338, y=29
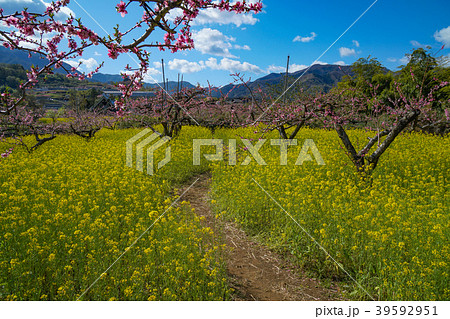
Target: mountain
x=171, y=85
x=8, y=56
x=110, y=78
x=106, y=78
x=319, y=77
x=21, y=57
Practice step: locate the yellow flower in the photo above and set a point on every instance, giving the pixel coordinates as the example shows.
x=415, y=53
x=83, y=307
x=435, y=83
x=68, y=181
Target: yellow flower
x=128, y=291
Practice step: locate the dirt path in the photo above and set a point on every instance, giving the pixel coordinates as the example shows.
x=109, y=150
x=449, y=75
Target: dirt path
x=255, y=272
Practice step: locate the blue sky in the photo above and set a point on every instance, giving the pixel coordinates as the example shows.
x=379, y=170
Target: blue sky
x=256, y=45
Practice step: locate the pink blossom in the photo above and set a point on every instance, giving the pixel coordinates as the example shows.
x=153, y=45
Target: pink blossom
x=120, y=113
x=7, y=153
x=11, y=21
x=112, y=53
x=121, y=8
x=72, y=44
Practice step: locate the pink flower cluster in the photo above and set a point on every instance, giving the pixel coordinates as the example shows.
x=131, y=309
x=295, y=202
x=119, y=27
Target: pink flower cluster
x=7, y=153
x=121, y=8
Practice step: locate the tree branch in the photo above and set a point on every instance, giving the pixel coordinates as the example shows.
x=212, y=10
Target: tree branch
x=402, y=123
x=348, y=145
x=372, y=142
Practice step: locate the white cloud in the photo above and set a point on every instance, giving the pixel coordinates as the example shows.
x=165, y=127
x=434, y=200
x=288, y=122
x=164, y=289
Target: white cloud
x=215, y=16
x=404, y=60
x=297, y=67
x=34, y=6
x=17, y=2
x=73, y=64
x=185, y=66
x=211, y=15
x=148, y=77
x=214, y=42
x=97, y=54
x=292, y=67
x=443, y=36
x=415, y=43
x=87, y=65
x=355, y=43
x=275, y=69
x=446, y=60
x=305, y=39
x=153, y=71
x=36, y=40
x=232, y=65
x=225, y=64
x=342, y=63
x=346, y=52
x=242, y=47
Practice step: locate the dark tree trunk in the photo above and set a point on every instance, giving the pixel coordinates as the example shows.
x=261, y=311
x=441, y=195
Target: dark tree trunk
x=367, y=164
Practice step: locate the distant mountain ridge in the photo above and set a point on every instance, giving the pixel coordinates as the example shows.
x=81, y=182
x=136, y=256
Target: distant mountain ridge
x=8, y=56
x=318, y=77
x=322, y=77
x=114, y=78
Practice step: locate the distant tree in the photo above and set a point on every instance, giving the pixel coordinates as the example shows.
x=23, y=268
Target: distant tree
x=367, y=68
x=369, y=77
x=442, y=73
x=32, y=102
x=12, y=75
x=418, y=76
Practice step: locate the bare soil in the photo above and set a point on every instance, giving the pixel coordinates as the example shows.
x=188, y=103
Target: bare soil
x=254, y=271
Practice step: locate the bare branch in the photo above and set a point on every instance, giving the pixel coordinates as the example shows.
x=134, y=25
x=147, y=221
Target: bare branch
x=372, y=142
x=401, y=124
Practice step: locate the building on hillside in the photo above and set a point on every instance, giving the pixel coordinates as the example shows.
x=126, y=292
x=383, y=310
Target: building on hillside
x=135, y=93
x=105, y=103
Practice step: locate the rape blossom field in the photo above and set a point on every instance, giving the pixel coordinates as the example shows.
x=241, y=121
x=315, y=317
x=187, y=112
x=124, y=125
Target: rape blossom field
x=392, y=237
x=225, y=150
x=68, y=210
